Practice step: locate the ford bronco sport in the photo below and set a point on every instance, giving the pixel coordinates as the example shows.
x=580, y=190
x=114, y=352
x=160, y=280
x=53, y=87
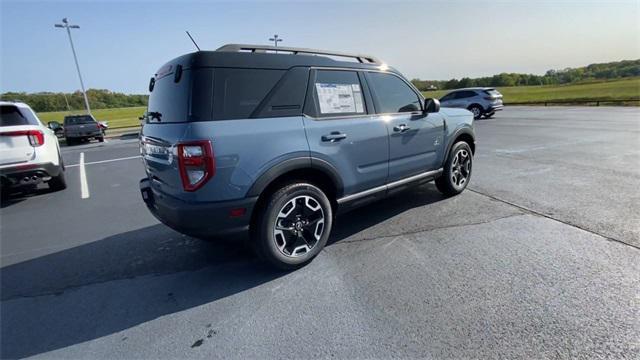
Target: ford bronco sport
x=245, y=138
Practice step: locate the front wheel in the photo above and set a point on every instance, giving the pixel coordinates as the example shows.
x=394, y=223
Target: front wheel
x=476, y=110
x=457, y=170
x=294, y=225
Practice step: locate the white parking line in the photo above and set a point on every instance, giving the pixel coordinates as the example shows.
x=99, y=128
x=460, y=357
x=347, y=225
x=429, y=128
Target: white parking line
x=84, y=187
x=105, y=161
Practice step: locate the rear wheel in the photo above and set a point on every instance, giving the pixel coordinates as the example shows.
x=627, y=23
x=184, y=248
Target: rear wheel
x=476, y=110
x=457, y=170
x=101, y=139
x=294, y=225
x=59, y=182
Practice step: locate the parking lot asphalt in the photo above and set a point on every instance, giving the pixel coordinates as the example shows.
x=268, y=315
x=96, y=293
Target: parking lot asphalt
x=539, y=258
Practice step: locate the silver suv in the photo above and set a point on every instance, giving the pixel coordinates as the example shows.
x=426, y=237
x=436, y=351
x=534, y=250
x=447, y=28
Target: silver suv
x=480, y=101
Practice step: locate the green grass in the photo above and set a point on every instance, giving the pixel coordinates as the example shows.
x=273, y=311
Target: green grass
x=606, y=90
x=117, y=118
x=616, y=89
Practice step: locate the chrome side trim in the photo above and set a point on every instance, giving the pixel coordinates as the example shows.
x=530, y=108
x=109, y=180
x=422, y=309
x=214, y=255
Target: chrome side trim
x=356, y=196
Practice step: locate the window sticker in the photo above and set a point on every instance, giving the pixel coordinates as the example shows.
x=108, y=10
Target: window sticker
x=339, y=98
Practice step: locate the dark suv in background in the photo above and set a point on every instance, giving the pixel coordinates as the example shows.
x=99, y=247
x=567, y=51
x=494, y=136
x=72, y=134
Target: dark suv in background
x=276, y=144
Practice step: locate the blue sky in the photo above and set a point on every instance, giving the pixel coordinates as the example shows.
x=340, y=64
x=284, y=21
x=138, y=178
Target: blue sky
x=122, y=43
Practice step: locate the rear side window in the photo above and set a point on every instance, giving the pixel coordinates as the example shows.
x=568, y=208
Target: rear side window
x=493, y=92
x=392, y=94
x=12, y=116
x=238, y=92
x=338, y=92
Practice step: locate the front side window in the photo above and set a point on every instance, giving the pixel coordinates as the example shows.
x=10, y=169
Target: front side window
x=338, y=92
x=449, y=96
x=392, y=94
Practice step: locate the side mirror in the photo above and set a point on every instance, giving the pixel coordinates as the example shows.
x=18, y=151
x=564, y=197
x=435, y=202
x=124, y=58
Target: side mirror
x=431, y=105
x=54, y=125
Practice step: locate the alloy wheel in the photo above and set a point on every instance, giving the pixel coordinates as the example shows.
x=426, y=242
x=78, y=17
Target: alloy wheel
x=460, y=168
x=299, y=226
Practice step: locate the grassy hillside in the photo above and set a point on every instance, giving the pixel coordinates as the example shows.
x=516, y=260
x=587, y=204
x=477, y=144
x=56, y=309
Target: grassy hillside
x=607, y=90
x=117, y=118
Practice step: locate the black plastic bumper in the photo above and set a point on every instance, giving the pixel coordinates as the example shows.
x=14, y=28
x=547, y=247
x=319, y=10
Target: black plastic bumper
x=14, y=176
x=210, y=220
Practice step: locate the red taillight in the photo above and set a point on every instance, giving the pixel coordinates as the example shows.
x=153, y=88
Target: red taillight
x=36, y=137
x=196, y=162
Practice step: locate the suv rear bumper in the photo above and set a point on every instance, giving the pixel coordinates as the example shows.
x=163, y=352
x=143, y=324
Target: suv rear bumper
x=494, y=108
x=210, y=219
x=15, y=175
x=84, y=135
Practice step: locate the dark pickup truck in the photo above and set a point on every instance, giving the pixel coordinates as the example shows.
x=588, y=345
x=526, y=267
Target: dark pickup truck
x=82, y=127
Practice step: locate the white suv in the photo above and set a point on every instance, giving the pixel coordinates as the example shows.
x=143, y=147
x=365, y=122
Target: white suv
x=29, y=151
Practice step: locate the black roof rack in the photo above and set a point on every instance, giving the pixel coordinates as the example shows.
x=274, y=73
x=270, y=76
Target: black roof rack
x=264, y=48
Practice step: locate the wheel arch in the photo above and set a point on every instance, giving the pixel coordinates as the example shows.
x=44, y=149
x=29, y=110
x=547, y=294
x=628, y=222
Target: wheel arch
x=316, y=171
x=465, y=135
x=475, y=104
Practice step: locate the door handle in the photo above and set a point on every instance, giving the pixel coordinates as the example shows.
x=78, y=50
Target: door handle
x=334, y=136
x=401, y=128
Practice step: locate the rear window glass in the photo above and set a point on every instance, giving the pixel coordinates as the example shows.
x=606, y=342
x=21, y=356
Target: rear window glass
x=237, y=92
x=75, y=120
x=12, y=116
x=169, y=101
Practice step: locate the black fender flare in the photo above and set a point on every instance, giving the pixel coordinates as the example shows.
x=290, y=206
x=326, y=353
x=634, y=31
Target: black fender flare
x=453, y=137
x=298, y=163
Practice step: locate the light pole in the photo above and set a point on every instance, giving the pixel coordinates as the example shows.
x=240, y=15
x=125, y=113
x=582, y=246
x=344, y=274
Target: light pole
x=275, y=40
x=65, y=24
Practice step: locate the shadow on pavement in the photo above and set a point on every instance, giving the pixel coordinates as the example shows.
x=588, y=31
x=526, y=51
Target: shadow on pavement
x=20, y=195
x=34, y=325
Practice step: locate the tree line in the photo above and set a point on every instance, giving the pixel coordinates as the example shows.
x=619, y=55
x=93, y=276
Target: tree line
x=611, y=70
x=98, y=99
x=105, y=99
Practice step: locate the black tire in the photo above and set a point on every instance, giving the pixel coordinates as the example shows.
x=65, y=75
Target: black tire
x=272, y=245
x=450, y=183
x=59, y=182
x=69, y=141
x=476, y=110
x=101, y=139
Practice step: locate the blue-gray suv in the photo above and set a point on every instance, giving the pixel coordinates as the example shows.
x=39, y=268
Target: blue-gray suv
x=277, y=141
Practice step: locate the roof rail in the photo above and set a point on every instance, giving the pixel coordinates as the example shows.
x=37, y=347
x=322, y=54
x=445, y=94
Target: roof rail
x=264, y=48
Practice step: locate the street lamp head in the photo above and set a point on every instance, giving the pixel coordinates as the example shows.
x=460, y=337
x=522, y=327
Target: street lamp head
x=74, y=26
x=59, y=25
x=65, y=21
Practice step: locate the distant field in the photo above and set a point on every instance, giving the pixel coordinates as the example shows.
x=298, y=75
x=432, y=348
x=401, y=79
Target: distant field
x=618, y=89
x=117, y=118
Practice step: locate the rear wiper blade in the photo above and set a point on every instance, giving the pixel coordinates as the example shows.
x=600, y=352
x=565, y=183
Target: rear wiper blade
x=155, y=115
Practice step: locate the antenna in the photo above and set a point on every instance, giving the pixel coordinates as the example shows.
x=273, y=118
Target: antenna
x=194, y=42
